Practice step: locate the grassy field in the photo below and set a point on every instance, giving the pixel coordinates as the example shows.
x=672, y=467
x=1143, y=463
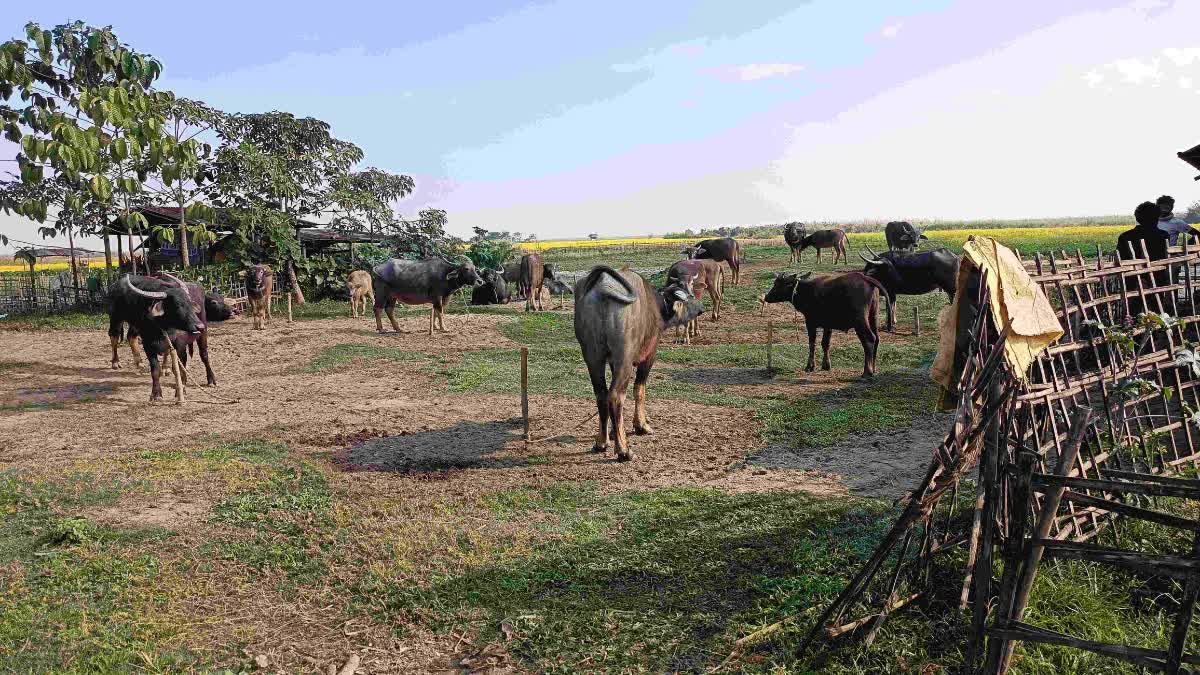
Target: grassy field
x=291, y=557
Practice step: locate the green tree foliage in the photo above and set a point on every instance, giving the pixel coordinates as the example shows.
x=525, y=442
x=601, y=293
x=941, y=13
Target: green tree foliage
x=425, y=237
x=1192, y=215
x=490, y=250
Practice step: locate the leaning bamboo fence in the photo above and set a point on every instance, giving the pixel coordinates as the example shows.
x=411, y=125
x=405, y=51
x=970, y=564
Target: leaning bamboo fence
x=1106, y=420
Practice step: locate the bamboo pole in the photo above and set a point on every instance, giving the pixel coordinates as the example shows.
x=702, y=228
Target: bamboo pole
x=289, y=300
x=770, y=340
x=525, y=390
x=916, y=321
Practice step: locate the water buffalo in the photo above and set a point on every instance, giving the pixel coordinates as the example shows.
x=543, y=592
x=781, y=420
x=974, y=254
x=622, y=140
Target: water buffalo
x=619, y=317
x=260, y=282
x=358, y=284
x=152, y=308
x=416, y=282
x=217, y=308
x=793, y=234
x=833, y=302
x=184, y=342
x=821, y=239
x=532, y=276
x=911, y=274
x=698, y=276
x=902, y=236
x=726, y=250
x=494, y=290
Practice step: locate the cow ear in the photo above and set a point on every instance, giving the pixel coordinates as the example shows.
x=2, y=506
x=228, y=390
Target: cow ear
x=156, y=309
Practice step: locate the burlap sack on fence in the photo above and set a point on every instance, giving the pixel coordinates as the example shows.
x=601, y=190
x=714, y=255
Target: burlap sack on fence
x=1018, y=305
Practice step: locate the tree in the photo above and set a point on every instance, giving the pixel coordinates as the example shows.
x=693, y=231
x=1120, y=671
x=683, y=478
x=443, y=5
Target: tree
x=296, y=166
x=90, y=116
x=424, y=237
x=1192, y=215
x=490, y=250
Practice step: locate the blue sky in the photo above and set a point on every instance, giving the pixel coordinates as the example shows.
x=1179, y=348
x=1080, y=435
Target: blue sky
x=566, y=117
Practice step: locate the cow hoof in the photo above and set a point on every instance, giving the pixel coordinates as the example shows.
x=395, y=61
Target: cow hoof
x=116, y=366
x=825, y=366
x=599, y=448
x=809, y=369
x=624, y=455
x=644, y=430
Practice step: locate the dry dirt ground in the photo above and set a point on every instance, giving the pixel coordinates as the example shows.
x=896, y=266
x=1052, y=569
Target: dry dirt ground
x=391, y=428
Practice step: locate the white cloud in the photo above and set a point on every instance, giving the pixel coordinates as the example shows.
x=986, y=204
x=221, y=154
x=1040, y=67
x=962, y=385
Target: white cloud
x=757, y=71
x=891, y=30
x=1137, y=71
x=1186, y=83
x=1093, y=78
x=1182, y=56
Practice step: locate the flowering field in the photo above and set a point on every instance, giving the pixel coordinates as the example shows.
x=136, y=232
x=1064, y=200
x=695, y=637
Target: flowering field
x=10, y=265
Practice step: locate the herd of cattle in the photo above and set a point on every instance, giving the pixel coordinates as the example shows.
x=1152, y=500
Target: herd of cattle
x=619, y=316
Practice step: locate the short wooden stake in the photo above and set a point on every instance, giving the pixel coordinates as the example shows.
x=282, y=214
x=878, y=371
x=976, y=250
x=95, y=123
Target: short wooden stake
x=770, y=339
x=525, y=389
x=289, y=297
x=916, y=321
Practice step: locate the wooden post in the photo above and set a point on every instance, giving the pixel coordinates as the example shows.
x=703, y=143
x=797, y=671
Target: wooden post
x=770, y=339
x=289, y=297
x=525, y=389
x=916, y=321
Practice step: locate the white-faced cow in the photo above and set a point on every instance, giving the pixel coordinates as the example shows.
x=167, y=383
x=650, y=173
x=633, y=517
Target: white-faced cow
x=833, y=302
x=260, y=283
x=698, y=276
x=358, y=284
x=619, y=317
x=822, y=239
x=793, y=234
x=902, y=236
x=727, y=250
x=911, y=274
x=418, y=282
x=153, y=309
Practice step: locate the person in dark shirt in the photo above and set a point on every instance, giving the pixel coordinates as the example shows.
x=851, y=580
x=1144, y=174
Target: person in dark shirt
x=1129, y=244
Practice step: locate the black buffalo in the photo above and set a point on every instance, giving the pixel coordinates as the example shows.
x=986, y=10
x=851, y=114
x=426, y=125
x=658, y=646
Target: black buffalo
x=494, y=290
x=902, y=236
x=833, y=302
x=216, y=309
x=911, y=274
x=418, y=282
x=793, y=234
x=619, y=317
x=184, y=342
x=153, y=310
x=726, y=250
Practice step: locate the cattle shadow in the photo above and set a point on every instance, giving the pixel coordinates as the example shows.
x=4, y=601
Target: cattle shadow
x=52, y=397
x=724, y=376
x=460, y=446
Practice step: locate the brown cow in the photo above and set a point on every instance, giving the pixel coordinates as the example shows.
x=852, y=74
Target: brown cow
x=533, y=275
x=360, y=287
x=727, y=249
x=698, y=276
x=834, y=239
x=619, y=317
x=260, y=283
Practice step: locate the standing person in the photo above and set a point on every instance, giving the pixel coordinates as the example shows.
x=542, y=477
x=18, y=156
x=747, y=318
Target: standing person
x=1168, y=222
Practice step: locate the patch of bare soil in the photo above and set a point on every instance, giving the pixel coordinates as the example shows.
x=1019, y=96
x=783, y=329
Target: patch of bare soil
x=884, y=464
x=170, y=511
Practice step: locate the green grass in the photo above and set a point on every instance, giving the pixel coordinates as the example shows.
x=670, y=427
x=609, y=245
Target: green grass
x=63, y=321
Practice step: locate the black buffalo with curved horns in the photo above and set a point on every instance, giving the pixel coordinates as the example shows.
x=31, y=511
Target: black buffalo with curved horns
x=911, y=274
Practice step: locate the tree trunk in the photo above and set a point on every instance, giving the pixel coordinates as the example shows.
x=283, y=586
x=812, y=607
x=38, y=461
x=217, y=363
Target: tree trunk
x=32, y=286
x=183, y=239
x=120, y=253
x=107, y=254
x=296, y=292
x=74, y=267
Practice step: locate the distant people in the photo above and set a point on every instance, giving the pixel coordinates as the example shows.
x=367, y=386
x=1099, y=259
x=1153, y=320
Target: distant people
x=1147, y=232
x=1168, y=222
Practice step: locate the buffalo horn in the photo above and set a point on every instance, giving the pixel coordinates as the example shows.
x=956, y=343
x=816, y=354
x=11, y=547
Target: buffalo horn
x=155, y=295
x=869, y=261
x=174, y=278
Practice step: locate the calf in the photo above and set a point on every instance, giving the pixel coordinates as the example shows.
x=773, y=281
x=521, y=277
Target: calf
x=184, y=342
x=833, y=302
x=260, y=283
x=902, y=236
x=698, y=276
x=360, y=288
x=726, y=250
x=793, y=234
x=911, y=274
x=533, y=276
x=619, y=317
x=494, y=290
x=822, y=239
x=417, y=282
x=152, y=308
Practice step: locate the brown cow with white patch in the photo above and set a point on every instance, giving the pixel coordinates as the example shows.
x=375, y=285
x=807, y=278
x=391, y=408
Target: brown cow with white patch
x=360, y=287
x=697, y=276
x=619, y=317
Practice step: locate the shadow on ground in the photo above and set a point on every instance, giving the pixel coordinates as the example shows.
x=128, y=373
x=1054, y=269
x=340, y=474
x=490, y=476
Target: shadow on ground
x=463, y=445
x=723, y=376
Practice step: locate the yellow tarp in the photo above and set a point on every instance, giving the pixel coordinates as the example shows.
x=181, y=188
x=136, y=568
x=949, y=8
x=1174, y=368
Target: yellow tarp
x=1018, y=304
